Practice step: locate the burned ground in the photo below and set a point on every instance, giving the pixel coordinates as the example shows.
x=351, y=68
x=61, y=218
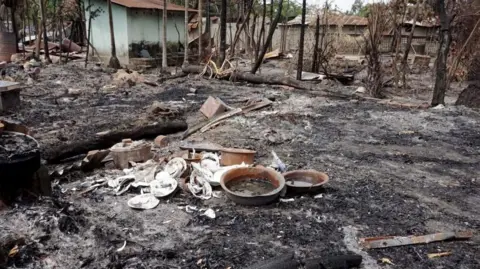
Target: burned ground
x=392, y=172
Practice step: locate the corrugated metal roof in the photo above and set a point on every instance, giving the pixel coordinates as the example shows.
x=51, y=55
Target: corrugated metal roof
x=149, y=4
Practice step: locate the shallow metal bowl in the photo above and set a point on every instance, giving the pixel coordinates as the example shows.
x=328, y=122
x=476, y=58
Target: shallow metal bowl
x=303, y=181
x=246, y=173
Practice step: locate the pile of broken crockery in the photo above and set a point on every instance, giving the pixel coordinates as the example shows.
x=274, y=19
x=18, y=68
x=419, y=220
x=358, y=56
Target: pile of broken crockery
x=153, y=180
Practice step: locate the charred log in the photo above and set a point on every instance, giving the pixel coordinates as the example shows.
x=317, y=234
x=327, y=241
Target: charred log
x=110, y=138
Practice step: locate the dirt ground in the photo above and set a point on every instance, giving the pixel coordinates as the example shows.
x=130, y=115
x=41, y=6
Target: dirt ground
x=392, y=171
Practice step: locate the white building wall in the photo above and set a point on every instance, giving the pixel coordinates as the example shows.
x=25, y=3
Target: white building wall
x=100, y=32
x=146, y=26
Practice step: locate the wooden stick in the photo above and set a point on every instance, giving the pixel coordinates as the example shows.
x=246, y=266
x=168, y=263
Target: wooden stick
x=201, y=125
x=222, y=117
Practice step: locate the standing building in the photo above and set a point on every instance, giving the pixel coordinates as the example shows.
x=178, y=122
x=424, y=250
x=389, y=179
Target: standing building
x=137, y=27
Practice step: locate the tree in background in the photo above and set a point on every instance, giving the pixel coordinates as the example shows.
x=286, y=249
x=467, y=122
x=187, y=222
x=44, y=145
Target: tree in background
x=357, y=6
x=291, y=10
x=445, y=12
x=378, y=23
x=404, y=63
x=302, y=41
x=273, y=26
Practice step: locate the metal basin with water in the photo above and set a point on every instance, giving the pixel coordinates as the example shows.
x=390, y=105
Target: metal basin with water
x=252, y=186
x=303, y=181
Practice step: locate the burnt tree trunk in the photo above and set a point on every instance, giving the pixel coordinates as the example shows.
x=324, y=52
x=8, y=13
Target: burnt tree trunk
x=208, y=25
x=262, y=30
x=185, y=56
x=38, y=36
x=408, y=45
x=470, y=96
x=253, y=44
x=302, y=41
x=114, y=62
x=442, y=54
x=315, y=62
x=376, y=27
x=164, y=36
x=271, y=19
x=200, y=31
x=88, y=37
x=241, y=29
x=14, y=25
x=223, y=31
x=45, y=38
x=273, y=26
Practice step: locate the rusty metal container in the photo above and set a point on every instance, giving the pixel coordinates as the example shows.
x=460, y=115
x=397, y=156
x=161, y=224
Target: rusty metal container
x=239, y=175
x=303, y=181
x=232, y=156
x=8, y=46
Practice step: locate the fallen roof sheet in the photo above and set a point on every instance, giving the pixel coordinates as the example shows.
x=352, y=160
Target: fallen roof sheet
x=150, y=4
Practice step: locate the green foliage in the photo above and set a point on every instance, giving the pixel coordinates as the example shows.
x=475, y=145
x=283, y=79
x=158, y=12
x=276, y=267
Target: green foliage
x=359, y=8
x=291, y=9
x=364, y=11
x=356, y=7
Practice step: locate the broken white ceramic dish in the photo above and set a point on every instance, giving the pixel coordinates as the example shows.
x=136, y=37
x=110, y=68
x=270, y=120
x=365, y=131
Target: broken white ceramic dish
x=210, y=161
x=210, y=213
x=163, y=185
x=176, y=167
x=198, y=184
x=114, y=183
x=143, y=201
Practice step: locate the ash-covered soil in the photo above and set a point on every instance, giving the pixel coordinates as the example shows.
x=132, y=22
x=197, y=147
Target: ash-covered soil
x=392, y=172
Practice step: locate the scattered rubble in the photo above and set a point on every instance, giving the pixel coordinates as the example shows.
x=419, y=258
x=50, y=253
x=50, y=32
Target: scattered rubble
x=186, y=204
